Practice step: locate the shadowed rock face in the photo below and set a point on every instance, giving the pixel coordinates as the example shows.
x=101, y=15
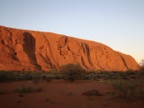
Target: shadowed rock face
x=31, y=50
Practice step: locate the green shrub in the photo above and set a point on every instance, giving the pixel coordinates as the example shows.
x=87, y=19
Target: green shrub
x=47, y=77
x=127, y=89
x=27, y=89
x=3, y=77
x=19, y=75
x=72, y=72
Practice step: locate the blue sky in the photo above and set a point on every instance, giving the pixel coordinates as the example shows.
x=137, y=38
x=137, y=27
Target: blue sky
x=116, y=23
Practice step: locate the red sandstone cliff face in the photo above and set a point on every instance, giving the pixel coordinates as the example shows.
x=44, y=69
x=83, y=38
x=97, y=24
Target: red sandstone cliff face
x=31, y=50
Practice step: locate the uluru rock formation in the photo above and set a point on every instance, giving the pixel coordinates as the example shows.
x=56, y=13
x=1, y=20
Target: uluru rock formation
x=34, y=50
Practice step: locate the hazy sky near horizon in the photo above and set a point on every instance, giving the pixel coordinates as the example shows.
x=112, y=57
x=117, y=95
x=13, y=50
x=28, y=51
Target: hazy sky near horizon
x=116, y=23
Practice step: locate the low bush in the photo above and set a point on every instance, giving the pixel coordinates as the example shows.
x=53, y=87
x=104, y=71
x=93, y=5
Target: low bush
x=92, y=93
x=72, y=72
x=19, y=75
x=27, y=89
x=128, y=89
x=3, y=77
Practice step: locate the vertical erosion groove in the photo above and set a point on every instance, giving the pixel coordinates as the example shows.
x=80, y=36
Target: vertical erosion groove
x=29, y=48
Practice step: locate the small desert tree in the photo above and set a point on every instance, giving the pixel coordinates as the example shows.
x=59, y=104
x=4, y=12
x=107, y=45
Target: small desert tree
x=142, y=65
x=72, y=72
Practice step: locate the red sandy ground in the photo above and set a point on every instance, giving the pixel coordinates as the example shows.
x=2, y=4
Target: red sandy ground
x=63, y=94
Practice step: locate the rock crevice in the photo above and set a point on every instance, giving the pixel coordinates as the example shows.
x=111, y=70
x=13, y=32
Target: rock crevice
x=31, y=50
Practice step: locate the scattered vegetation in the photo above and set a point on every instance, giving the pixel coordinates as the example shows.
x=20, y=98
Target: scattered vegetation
x=6, y=76
x=128, y=85
x=70, y=72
